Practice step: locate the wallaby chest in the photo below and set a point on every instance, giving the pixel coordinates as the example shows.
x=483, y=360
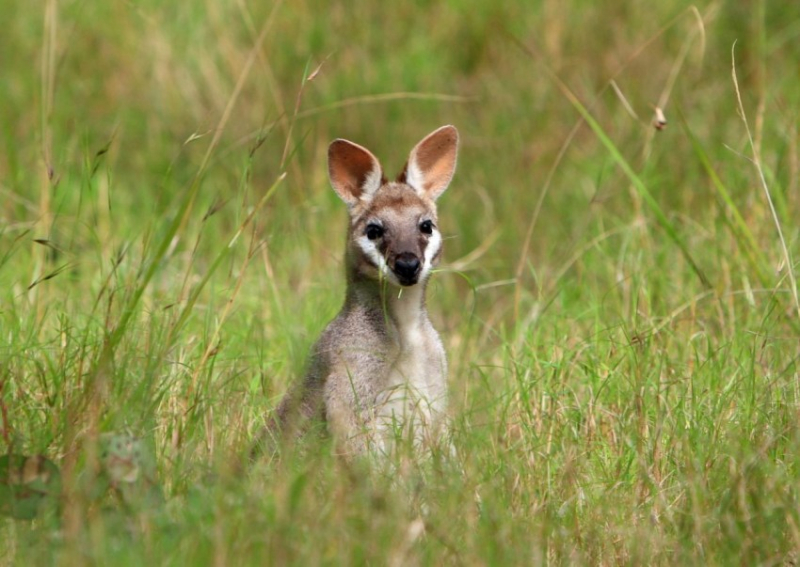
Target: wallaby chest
x=417, y=367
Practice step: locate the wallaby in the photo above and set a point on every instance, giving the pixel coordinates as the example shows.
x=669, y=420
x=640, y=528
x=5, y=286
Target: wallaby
x=379, y=369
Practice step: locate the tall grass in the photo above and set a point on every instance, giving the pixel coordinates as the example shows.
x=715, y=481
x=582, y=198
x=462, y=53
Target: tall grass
x=618, y=302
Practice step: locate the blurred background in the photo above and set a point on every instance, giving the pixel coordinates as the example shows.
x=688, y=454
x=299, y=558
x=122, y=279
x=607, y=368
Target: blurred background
x=136, y=138
x=148, y=82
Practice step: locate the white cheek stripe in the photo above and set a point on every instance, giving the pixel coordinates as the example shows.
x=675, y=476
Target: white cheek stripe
x=371, y=251
x=434, y=244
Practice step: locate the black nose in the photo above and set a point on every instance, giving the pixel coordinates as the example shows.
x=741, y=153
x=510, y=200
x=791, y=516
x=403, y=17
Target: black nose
x=407, y=267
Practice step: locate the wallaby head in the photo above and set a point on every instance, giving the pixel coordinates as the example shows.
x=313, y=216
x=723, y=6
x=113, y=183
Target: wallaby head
x=394, y=234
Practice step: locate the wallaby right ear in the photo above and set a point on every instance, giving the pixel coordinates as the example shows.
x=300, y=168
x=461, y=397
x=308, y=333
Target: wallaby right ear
x=355, y=173
x=432, y=162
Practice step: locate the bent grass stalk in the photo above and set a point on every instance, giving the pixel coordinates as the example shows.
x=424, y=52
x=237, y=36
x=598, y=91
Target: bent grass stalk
x=757, y=163
x=637, y=182
x=694, y=13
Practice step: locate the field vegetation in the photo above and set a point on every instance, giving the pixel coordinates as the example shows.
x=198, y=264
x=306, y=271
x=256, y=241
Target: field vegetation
x=618, y=300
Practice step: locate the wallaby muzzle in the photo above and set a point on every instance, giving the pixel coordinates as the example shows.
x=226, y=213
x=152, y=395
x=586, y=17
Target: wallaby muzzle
x=407, y=268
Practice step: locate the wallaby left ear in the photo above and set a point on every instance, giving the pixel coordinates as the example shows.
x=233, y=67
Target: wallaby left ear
x=354, y=172
x=432, y=163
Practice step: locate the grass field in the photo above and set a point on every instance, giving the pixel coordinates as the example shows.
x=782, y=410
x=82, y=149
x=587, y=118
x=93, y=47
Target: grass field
x=619, y=303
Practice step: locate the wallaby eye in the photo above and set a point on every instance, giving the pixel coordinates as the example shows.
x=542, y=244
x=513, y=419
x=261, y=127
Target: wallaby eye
x=374, y=231
x=426, y=227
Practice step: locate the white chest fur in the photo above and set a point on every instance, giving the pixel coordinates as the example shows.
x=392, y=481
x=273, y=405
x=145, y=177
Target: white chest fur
x=414, y=397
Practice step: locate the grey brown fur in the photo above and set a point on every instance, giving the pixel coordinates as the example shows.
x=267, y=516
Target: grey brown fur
x=379, y=369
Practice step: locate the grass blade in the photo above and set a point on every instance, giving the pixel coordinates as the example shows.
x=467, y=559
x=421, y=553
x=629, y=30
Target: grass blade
x=637, y=182
x=757, y=162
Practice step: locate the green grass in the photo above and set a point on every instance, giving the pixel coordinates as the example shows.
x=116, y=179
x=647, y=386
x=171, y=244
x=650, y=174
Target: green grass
x=616, y=301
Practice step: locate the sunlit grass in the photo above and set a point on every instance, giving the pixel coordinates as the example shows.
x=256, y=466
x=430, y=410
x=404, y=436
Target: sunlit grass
x=170, y=249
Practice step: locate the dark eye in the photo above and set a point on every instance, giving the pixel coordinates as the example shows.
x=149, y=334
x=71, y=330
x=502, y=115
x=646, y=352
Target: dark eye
x=374, y=231
x=426, y=227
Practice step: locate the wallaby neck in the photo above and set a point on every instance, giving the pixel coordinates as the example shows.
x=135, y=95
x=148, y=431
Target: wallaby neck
x=403, y=309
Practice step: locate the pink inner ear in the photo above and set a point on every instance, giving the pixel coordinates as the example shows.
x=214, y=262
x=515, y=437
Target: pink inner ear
x=438, y=172
x=352, y=170
x=433, y=161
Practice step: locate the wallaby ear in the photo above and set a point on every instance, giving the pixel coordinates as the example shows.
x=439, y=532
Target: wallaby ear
x=432, y=162
x=354, y=172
